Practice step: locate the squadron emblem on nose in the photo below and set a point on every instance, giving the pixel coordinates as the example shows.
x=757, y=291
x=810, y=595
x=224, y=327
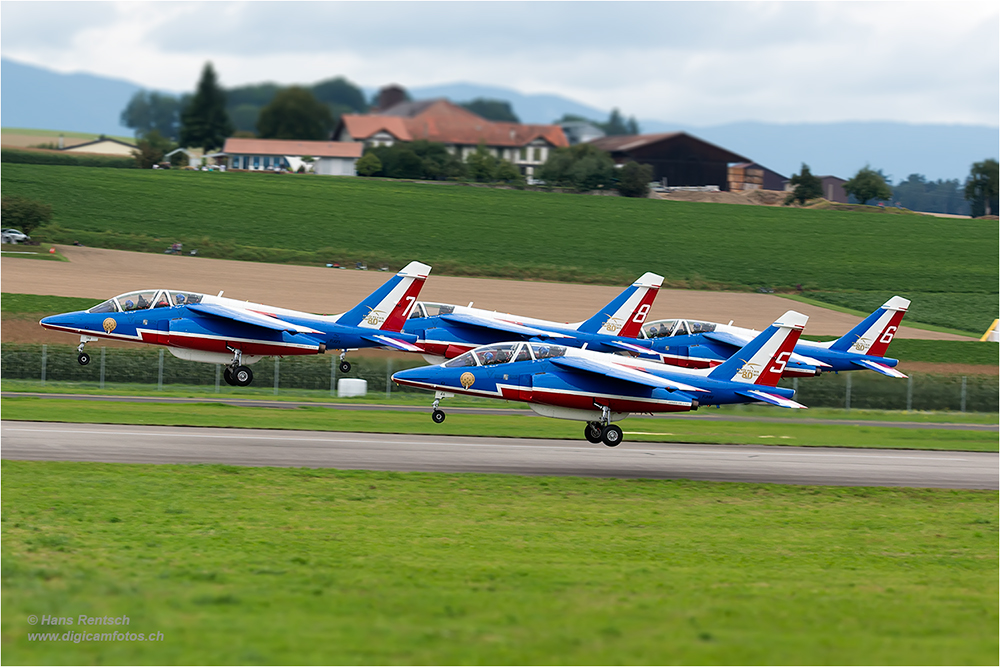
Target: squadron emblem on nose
x=467, y=379
x=109, y=324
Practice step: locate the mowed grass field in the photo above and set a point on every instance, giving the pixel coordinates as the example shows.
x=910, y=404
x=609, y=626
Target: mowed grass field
x=299, y=566
x=463, y=230
x=637, y=429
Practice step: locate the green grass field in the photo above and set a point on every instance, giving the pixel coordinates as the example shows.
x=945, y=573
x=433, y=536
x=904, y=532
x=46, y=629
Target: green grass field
x=298, y=566
x=637, y=429
x=422, y=399
x=510, y=233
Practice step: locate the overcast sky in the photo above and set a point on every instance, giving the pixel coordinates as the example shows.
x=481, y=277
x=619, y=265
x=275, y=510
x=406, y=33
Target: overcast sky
x=698, y=63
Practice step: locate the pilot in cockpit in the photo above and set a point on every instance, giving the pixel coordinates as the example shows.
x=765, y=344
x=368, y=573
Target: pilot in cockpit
x=141, y=304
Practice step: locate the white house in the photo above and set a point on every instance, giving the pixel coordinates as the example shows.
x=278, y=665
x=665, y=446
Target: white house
x=328, y=158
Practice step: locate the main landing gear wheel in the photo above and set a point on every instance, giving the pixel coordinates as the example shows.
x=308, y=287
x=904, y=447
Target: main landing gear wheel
x=242, y=376
x=612, y=435
x=438, y=416
x=227, y=375
x=593, y=433
x=83, y=358
x=345, y=367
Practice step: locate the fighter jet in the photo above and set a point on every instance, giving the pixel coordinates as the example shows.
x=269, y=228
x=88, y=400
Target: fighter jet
x=219, y=330
x=446, y=331
x=599, y=388
x=696, y=344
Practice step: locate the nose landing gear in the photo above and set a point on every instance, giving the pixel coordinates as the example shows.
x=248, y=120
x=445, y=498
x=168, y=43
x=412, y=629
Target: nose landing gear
x=438, y=415
x=82, y=357
x=345, y=365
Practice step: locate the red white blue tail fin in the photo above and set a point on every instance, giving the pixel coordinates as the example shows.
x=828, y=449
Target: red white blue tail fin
x=627, y=312
x=873, y=335
x=388, y=307
x=762, y=361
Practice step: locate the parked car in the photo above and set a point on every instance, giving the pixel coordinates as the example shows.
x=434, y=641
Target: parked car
x=14, y=236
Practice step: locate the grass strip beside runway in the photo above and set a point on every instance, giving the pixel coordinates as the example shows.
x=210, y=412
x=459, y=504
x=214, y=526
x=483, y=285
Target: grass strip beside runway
x=299, y=566
x=637, y=429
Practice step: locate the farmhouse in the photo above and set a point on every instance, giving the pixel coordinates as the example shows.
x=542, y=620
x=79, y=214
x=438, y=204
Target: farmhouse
x=677, y=158
x=460, y=130
x=329, y=158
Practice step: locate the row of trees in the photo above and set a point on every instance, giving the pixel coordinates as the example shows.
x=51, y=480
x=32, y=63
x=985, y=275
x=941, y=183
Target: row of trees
x=582, y=167
x=211, y=114
x=978, y=197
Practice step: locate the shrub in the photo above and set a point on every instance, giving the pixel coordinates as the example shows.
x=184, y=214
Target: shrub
x=25, y=214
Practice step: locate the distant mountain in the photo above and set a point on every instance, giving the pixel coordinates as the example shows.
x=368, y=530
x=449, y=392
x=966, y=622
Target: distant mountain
x=35, y=97
x=535, y=108
x=42, y=99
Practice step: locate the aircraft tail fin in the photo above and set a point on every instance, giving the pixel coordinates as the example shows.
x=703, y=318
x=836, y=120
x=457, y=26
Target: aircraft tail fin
x=762, y=360
x=873, y=335
x=626, y=313
x=388, y=307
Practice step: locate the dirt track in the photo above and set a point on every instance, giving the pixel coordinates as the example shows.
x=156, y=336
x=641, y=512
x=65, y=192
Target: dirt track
x=98, y=273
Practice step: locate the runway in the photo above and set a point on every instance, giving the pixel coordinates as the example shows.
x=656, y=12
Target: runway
x=362, y=451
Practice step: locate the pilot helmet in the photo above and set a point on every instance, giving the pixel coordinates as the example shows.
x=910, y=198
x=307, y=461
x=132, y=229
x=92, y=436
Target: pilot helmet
x=179, y=299
x=488, y=356
x=129, y=305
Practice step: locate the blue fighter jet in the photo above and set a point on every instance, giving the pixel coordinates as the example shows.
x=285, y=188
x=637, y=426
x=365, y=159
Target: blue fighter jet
x=600, y=388
x=218, y=330
x=446, y=331
x=696, y=344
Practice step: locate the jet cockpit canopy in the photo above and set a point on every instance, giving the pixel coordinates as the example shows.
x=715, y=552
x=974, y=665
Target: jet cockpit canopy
x=144, y=299
x=664, y=328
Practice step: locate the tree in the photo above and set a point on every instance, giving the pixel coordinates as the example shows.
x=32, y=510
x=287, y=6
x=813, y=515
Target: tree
x=24, y=214
x=617, y=125
x=806, y=185
x=981, y=188
x=204, y=121
x=340, y=92
x=499, y=110
x=151, y=149
x=295, y=113
x=153, y=111
x=941, y=196
x=867, y=185
x=583, y=167
x=633, y=180
x=369, y=165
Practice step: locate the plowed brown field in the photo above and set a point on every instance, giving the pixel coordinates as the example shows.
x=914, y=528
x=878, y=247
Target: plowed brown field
x=97, y=273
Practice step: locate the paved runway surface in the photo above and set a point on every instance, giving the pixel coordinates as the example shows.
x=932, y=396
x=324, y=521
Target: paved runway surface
x=362, y=451
x=367, y=407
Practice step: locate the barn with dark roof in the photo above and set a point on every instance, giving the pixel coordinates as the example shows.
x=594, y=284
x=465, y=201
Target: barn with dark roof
x=683, y=160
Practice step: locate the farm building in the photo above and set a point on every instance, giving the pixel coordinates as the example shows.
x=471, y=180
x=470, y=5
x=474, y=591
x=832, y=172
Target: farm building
x=752, y=176
x=833, y=188
x=460, y=130
x=102, y=146
x=679, y=158
x=328, y=158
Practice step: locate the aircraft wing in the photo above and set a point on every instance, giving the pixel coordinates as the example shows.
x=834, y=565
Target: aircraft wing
x=878, y=368
x=247, y=317
x=396, y=343
x=494, y=325
x=632, y=348
x=773, y=399
x=619, y=373
x=727, y=338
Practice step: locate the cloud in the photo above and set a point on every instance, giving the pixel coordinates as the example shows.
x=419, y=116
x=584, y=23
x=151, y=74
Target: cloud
x=686, y=62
